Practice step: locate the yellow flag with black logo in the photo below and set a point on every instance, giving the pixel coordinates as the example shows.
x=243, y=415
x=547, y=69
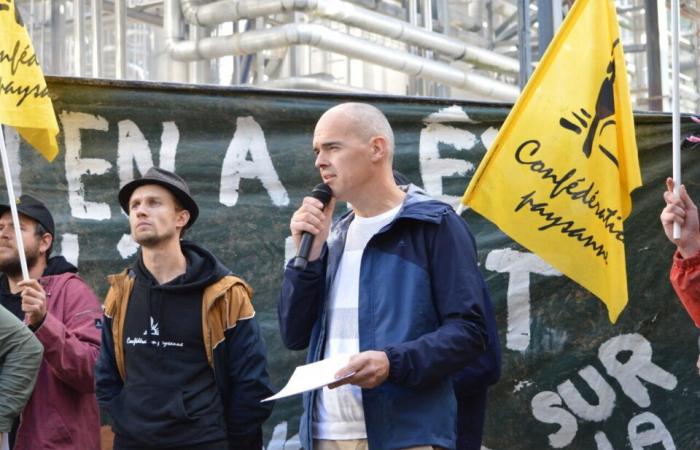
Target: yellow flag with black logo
x=24, y=97
x=558, y=176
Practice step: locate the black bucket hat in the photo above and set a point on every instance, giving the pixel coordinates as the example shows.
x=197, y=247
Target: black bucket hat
x=170, y=181
x=34, y=209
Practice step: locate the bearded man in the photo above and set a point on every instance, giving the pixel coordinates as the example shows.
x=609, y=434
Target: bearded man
x=65, y=316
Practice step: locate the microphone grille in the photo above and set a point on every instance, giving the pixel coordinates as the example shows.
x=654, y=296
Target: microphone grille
x=322, y=192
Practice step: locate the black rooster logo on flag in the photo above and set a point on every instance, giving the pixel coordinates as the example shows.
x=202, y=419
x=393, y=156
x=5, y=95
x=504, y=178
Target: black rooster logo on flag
x=603, y=117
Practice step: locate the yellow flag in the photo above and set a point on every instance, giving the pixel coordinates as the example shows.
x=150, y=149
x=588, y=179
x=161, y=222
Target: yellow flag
x=24, y=97
x=558, y=177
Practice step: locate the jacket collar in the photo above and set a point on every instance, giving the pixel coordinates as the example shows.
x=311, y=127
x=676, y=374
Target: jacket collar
x=417, y=205
x=210, y=295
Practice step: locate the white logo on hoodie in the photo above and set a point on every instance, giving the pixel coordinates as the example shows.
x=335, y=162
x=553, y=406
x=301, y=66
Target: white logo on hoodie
x=154, y=328
x=155, y=331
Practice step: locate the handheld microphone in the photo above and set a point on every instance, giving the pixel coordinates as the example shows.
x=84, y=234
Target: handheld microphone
x=322, y=193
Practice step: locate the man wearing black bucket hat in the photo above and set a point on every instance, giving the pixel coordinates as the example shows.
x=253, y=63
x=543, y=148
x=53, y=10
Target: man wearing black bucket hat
x=183, y=362
x=65, y=316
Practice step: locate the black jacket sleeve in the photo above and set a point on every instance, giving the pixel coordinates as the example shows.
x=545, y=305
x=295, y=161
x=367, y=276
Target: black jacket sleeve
x=300, y=302
x=248, y=383
x=107, y=379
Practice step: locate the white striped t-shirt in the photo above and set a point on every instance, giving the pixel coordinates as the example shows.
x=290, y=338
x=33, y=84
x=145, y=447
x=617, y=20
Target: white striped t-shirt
x=338, y=413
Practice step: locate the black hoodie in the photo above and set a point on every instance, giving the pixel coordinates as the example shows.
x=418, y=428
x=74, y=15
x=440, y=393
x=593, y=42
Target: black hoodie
x=13, y=302
x=170, y=396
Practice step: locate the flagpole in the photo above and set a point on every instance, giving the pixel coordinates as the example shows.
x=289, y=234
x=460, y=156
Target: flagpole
x=675, y=102
x=13, y=206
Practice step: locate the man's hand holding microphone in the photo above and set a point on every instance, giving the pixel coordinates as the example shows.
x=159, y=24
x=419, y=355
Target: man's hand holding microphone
x=310, y=226
x=311, y=223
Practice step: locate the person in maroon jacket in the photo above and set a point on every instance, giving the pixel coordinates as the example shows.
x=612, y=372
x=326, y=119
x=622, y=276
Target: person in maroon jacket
x=65, y=316
x=685, y=271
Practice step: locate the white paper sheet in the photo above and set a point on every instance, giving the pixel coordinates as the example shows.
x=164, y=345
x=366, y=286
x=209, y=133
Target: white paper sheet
x=312, y=376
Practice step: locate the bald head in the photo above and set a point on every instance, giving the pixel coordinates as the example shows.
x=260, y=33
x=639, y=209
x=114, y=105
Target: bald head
x=364, y=120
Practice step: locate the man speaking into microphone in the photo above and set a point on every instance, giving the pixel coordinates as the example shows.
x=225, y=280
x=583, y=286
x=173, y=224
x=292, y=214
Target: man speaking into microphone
x=394, y=283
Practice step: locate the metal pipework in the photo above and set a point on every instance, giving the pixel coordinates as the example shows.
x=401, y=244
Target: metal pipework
x=96, y=37
x=314, y=84
x=330, y=40
x=120, y=9
x=79, y=37
x=172, y=18
x=212, y=14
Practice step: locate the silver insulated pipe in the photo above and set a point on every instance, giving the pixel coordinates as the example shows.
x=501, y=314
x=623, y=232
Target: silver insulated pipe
x=322, y=37
x=212, y=14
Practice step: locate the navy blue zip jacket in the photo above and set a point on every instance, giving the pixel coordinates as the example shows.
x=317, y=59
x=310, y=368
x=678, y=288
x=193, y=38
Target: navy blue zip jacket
x=421, y=300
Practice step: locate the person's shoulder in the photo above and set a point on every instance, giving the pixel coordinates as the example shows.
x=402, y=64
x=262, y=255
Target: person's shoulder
x=70, y=285
x=232, y=279
x=420, y=206
x=60, y=280
x=67, y=278
x=229, y=282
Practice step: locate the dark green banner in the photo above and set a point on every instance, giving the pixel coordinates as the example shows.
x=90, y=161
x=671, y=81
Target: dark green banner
x=570, y=379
